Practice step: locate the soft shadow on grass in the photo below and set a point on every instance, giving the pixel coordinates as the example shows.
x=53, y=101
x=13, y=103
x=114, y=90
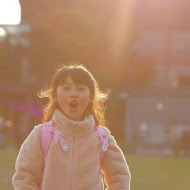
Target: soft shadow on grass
x=148, y=172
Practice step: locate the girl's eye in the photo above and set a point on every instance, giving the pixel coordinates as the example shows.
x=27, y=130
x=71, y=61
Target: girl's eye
x=81, y=88
x=65, y=88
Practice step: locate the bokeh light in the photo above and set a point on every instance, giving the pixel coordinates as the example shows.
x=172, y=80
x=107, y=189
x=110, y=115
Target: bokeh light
x=160, y=106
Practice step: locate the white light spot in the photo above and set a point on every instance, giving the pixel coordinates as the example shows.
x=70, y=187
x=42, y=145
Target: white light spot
x=10, y=12
x=3, y=32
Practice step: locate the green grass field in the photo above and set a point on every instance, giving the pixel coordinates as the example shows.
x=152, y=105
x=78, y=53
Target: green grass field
x=148, y=172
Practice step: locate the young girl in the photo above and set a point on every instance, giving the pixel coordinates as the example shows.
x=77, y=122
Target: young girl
x=76, y=106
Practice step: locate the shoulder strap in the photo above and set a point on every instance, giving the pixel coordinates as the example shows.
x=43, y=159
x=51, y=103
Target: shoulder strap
x=47, y=133
x=103, y=140
x=46, y=137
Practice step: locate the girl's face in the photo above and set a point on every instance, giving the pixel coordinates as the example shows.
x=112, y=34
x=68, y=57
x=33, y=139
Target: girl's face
x=73, y=98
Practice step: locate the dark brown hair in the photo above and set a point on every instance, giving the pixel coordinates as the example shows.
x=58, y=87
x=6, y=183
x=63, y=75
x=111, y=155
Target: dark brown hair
x=80, y=75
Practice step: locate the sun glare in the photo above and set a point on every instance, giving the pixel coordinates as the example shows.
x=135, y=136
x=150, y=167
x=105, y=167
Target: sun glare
x=121, y=25
x=10, y=12
x=2, y=32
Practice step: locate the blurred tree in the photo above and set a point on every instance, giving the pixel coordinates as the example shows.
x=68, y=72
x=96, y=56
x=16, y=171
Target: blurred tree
x=98, y=32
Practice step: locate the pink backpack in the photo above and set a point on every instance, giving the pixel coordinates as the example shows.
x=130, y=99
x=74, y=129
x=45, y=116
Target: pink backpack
x=48, y=131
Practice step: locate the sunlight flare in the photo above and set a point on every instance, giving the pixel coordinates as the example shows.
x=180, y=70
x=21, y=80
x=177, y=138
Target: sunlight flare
x=10, y=12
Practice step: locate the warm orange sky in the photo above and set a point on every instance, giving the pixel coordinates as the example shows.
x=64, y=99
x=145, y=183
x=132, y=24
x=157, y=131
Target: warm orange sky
x=10, y=12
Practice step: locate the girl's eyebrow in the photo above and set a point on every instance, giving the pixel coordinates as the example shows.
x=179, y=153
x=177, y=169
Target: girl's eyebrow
x=81, y=85
x=65, y=83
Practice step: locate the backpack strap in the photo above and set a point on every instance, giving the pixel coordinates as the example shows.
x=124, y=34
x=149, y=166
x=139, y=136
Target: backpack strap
x=46, y=137
x=103, y=141
x=47, y=133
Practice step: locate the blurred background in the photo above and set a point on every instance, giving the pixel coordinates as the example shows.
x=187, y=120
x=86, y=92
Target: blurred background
x=139, y=49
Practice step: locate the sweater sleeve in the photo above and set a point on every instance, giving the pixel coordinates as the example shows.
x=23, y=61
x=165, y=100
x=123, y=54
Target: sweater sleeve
x=115, y=168
x=29, y=163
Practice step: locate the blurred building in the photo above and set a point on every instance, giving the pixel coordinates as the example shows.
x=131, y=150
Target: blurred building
x=169, y=53
x=160, y=62
x=151, y=116
x=19, y=106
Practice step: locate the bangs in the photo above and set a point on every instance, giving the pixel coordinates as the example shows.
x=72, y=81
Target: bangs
x=79, y=76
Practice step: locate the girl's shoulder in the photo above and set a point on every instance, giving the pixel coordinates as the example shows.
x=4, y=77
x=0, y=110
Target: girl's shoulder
x=111, y=138
x=109, y=134
x=33, y=138
x=37, y=128
x=107, y=131
x=35, y=132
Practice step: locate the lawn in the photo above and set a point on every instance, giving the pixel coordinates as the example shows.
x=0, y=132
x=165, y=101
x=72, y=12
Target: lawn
x=148, y=172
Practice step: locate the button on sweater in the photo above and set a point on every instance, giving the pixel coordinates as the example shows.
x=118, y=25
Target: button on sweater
x=78, y=168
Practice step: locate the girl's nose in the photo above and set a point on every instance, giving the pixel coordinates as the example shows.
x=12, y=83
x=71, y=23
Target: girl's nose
x=73, y=93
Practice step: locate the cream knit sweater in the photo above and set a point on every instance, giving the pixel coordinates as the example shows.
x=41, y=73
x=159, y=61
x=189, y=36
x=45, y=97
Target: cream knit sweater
x=79, y=168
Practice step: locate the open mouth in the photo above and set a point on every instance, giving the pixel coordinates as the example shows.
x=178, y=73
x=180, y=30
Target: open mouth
x=73, y=104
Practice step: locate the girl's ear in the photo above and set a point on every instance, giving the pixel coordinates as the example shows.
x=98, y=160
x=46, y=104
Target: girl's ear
x=91, y=99
x=54, y=97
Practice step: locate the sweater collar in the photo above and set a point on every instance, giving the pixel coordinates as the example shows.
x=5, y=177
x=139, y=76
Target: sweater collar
x=70, y=127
